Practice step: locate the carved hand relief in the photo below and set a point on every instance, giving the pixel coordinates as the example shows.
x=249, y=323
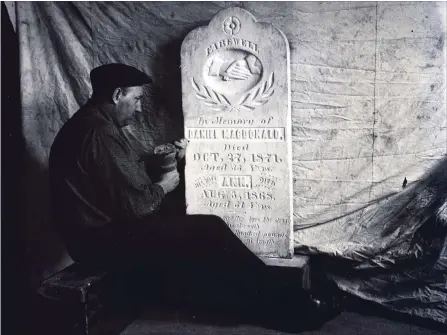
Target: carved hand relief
x=231, y=71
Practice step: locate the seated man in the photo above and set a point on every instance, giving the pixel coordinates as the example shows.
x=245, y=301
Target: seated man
x=97, y=180
x=106, y=206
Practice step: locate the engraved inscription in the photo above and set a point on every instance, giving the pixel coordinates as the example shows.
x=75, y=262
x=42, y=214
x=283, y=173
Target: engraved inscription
x=234, y=197
x=205, y=181
x=237, y=157
x=206, y=156
x=235, y=147
x=250, y=232
x=264, y=134
x=219, y=120
x=235, y=182
x=232, y=43
x=214, y=168
x=216, y=204
x=268, y=182
x=238, y=192
x=207, y=194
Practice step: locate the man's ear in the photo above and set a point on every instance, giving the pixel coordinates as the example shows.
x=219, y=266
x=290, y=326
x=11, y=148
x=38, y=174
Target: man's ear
x=117, y=95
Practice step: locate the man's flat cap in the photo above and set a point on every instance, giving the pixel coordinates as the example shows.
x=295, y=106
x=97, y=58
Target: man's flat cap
x=111, y=76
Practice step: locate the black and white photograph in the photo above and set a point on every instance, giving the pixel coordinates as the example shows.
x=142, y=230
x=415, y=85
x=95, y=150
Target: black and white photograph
x=224, y=167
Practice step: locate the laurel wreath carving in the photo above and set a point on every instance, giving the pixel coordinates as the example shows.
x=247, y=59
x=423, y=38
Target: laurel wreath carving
x=260, y=96
x=218, y=102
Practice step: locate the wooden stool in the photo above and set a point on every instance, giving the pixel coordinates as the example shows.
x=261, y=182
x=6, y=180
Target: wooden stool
x=75, y=292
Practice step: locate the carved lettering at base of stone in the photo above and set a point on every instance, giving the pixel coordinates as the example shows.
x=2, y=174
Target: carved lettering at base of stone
x=236, y=104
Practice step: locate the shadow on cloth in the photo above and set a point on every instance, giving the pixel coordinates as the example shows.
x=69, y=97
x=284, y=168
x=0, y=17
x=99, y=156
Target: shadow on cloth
x=406, y=274
x=31, y=247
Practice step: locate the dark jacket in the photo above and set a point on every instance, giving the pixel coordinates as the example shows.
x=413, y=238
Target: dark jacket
x=98, y=182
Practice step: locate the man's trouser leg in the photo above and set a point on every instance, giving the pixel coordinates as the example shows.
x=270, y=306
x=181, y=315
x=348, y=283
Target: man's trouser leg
x=196, y=244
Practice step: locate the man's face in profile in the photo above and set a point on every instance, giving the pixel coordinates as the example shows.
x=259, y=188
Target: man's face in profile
x=129, y=102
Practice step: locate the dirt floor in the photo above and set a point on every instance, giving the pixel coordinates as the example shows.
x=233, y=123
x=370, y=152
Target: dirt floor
x=200, y=323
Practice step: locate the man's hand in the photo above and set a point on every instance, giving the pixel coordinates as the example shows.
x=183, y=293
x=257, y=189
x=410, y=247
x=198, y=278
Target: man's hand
x=181, y=148
x=169, y=181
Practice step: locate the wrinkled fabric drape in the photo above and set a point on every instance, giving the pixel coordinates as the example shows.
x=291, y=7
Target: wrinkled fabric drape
x=369, y=125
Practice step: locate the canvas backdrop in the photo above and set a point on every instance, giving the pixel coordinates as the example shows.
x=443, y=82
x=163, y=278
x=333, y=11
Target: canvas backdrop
x=369, y=125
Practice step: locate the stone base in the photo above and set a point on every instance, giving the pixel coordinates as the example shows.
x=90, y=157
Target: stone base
x=296, y=268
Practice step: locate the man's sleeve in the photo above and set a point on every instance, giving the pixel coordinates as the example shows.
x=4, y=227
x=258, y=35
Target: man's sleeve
x=123, y=176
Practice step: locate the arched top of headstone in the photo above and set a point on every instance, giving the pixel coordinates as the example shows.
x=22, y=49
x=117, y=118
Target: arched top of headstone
x=240, y=13
x=237, y=61
x=238, y=23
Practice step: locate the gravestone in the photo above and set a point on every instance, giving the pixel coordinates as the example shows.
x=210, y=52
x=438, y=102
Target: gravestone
x=236, y=105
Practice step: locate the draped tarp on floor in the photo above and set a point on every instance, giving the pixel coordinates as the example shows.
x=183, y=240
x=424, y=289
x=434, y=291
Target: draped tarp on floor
x=369, y=125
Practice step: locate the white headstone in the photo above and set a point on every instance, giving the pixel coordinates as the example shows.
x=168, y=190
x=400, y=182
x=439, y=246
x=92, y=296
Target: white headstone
x=236, y=105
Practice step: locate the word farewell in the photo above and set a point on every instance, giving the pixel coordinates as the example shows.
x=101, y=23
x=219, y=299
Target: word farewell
x=232, y=42
x=245, y=134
